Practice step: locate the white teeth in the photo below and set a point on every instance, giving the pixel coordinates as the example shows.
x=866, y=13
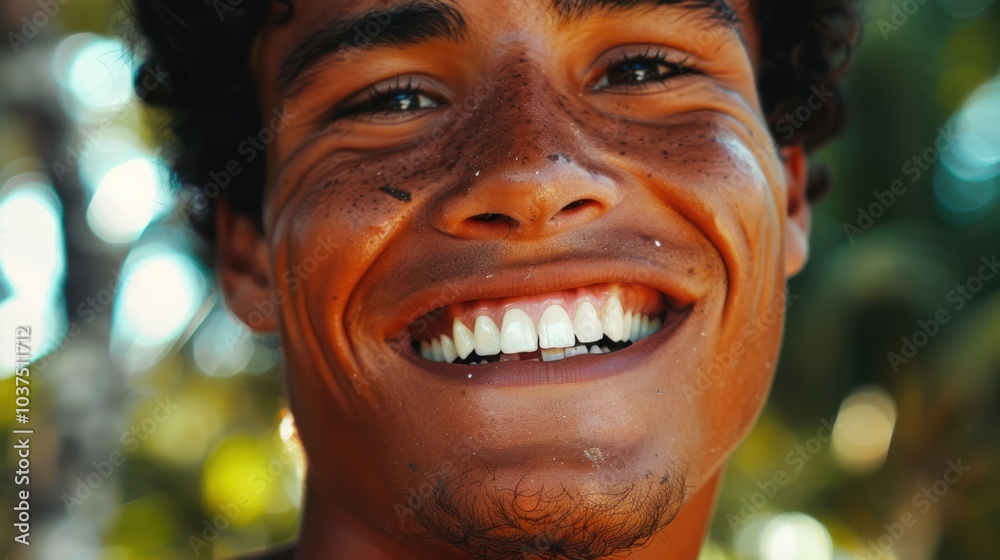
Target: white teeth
x=555, y=330
x=553, y=354
x=587, y=324
x=555, y=333
x=614, y=318
x=487, y=337
x=519, y=334
x=448, y=349
x=465, y=342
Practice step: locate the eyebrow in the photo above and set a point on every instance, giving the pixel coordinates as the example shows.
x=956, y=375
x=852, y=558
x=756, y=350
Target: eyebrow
x=404, y=24
x=417, y=21
x=720, y=10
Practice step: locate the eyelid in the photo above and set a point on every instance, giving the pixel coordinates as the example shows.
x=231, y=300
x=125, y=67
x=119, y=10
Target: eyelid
x=623, y=53
x=423, y=85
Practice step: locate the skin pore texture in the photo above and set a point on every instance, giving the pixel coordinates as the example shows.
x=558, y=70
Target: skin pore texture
x=472, y=153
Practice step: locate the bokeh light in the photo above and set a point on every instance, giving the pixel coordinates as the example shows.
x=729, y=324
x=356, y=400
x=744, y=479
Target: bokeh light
x=96, y=73
x=182, y=438
x=236, y=480
x=967, y=181
x=128, y=197
x=795, y=536
x=222, y=346
x=32, y=264
x=863, y=430
x=118, y=146
x=785, y=536
x=965, y=9
x=161, y=291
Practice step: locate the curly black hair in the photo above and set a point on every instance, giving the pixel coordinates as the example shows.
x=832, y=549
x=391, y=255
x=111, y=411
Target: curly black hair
x=200, y=52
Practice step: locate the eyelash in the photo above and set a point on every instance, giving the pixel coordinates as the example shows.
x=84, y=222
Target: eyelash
x=381, y=94
x=653, y=56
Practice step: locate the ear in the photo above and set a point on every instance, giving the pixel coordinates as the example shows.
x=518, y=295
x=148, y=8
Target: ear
x=798, y=222
x=244, y=269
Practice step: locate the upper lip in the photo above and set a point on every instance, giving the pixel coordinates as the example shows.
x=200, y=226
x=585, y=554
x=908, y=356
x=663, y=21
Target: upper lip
x=537, y=279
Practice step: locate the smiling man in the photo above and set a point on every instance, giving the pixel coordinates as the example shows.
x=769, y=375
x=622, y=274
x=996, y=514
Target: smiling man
x=528, y=259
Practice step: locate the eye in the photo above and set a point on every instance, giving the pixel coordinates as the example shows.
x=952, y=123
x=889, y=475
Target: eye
x=391, y=100
x=632, y=71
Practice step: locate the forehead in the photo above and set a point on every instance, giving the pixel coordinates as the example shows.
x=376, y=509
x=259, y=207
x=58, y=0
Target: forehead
x=526, y=21
x=522, y=9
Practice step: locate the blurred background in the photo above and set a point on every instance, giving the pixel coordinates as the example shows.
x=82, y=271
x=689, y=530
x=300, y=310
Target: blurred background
x=160, y=429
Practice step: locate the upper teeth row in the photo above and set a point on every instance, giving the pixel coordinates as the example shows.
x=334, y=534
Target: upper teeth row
x=518, y=333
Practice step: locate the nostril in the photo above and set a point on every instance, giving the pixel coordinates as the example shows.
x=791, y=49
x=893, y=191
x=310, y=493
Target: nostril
x=579, y=204
x=492, y=218
x=492, y=225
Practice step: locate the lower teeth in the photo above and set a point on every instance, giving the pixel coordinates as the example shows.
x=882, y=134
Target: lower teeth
x=603, y=346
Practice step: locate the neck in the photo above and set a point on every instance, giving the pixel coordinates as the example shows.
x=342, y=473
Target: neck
x=329, y=532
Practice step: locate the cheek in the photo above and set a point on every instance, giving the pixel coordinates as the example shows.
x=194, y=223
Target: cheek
x=343, y=214
x=710, y=169
x=727, y=185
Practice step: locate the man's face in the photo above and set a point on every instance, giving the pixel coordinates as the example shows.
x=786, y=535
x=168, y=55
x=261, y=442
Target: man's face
x=585, y=195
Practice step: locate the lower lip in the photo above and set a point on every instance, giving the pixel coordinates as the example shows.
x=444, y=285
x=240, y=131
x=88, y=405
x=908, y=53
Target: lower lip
x=578, y=369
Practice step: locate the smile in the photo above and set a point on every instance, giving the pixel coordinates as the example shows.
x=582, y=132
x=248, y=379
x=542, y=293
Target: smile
x=597, y=319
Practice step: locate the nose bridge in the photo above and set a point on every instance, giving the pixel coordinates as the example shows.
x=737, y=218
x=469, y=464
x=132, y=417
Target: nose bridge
x=531, y=117
x=531, y=175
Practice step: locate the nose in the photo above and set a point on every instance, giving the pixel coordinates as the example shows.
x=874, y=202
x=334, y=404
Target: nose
x=520, y=202
x=535, y=173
